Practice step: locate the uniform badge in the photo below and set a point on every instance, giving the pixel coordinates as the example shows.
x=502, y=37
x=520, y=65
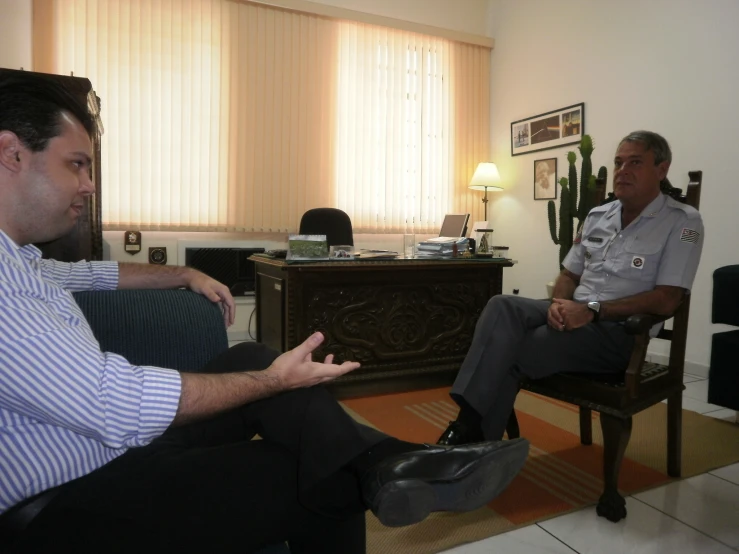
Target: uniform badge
x=637, y=262
x=689, y=235
x=595, y=239
x=578, y=238
x=587, y=255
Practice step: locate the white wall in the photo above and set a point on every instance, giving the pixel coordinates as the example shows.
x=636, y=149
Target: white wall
x=663, y=65
x=15, y=34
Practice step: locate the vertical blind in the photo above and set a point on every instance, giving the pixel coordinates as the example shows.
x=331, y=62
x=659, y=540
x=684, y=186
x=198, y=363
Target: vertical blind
x=231, y=116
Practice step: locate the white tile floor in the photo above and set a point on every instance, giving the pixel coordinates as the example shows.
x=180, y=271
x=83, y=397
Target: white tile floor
x=698, y=515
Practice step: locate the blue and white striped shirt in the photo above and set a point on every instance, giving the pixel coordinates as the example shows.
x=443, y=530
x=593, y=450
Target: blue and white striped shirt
x=66, y=408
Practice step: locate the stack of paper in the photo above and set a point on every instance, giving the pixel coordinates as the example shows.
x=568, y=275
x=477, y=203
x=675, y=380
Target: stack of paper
x=441, y=247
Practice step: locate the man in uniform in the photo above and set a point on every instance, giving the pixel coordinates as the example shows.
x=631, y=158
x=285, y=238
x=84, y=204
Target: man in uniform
x=144, y=459
x=638, y=254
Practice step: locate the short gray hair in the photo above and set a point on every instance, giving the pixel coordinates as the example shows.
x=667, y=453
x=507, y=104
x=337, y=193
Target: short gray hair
x=651, y=141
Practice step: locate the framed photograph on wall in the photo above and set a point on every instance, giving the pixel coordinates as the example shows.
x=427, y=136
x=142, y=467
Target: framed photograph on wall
x=545, y=179
x=548, y=130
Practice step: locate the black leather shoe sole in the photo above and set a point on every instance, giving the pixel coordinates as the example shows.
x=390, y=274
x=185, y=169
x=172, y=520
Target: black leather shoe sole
x=408, y=501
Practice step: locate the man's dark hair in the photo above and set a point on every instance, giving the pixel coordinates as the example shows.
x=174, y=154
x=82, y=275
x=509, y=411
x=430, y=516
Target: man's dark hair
x=654, y=142
x=31, y=106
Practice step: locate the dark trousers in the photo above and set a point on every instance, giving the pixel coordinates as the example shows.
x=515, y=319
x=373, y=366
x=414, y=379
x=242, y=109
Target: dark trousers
x=206, y=487
x=512, y=340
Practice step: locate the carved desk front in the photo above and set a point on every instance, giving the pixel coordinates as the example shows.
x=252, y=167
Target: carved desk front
x=409, y=322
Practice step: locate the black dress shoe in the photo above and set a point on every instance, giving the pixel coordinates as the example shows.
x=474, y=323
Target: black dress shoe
x=405, y=489
x=459, y=433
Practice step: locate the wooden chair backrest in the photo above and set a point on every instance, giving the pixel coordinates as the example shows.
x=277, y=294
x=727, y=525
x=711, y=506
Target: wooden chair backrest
x=679, y=333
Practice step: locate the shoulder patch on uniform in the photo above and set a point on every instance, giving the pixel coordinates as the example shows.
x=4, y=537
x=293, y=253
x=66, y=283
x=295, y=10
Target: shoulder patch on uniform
x=578, y=238
x=689, y=235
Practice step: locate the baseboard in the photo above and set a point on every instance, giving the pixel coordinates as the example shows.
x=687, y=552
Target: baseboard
x=699, y=370
x=239, y=335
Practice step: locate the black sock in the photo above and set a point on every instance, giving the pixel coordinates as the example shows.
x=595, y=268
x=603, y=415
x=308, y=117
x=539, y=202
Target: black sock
x=379, y=452
x=468, y=416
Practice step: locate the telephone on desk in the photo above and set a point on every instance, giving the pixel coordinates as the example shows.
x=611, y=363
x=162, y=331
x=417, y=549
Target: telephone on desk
x=276, y=253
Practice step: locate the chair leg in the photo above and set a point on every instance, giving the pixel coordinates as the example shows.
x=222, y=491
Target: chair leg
x=616, y=434
x=586, y=426
x=512, y=429
x=674, y=434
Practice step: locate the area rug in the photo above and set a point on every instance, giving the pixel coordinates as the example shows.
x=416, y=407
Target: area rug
x=560, y=476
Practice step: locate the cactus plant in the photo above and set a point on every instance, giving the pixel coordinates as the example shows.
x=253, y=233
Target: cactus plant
x=568, y=207
x=564, y=238
x=586, y=171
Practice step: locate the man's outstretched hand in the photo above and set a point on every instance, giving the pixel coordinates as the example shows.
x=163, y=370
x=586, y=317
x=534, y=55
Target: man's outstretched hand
x=296, y=368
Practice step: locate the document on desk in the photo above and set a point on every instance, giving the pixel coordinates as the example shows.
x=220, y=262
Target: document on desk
x=377, y=254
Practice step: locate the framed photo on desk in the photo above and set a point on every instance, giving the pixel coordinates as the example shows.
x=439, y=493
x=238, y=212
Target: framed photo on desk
x=307, y=247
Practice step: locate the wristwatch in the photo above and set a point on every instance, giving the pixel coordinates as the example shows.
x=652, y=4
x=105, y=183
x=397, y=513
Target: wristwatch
x=595, y=308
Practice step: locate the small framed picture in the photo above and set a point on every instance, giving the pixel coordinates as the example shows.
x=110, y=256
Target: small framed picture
x=545, y=179
x=307, y=247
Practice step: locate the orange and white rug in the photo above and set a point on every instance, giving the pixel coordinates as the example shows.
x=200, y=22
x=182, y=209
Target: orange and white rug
x=561, y=475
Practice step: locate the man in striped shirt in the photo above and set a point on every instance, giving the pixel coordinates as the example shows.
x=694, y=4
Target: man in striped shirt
x=146, y=459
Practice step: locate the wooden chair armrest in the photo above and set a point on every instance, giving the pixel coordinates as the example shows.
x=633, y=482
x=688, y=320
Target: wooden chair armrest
x=636, y=362
x=639, y=325
x=642, y=323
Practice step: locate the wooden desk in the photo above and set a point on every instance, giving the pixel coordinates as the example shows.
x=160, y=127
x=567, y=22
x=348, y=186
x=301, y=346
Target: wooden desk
x=409, y=322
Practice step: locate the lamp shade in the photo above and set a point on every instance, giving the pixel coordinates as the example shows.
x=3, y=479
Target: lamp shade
x=486, y=177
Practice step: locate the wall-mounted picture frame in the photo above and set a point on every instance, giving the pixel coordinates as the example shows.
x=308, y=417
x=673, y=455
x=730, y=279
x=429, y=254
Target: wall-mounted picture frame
x=545, y=179
x=548, y=130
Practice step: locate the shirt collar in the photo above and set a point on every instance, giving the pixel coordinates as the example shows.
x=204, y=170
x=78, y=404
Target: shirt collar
x=652, y=209
x=655, y=206
x=8, y=246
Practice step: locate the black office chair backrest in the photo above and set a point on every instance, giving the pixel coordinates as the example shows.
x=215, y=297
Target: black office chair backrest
x=332, y=222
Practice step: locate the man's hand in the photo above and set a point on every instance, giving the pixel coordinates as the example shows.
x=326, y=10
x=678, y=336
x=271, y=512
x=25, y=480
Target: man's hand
x=573, y=314
x=295, y=368
x=555, y=317
x=148, y=276
x=206, y=394
x=214, y=291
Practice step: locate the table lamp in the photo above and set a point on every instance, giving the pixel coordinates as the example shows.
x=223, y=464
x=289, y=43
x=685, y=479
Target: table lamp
x=486, y=178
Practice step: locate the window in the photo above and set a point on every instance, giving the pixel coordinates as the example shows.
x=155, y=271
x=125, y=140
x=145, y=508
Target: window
x=227, y=116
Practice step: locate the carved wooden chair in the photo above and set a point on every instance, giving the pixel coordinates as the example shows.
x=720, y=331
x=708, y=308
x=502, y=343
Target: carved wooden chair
x=619, y=397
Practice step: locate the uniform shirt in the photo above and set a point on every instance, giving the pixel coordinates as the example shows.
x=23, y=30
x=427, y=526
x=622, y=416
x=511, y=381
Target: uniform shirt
x=662, y=246
x=66, y=408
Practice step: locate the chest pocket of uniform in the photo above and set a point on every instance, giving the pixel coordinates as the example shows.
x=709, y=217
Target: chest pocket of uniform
x=641, y=259
x=594, y=252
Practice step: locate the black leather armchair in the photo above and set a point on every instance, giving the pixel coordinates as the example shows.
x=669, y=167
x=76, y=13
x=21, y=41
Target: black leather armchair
x=723, y=377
